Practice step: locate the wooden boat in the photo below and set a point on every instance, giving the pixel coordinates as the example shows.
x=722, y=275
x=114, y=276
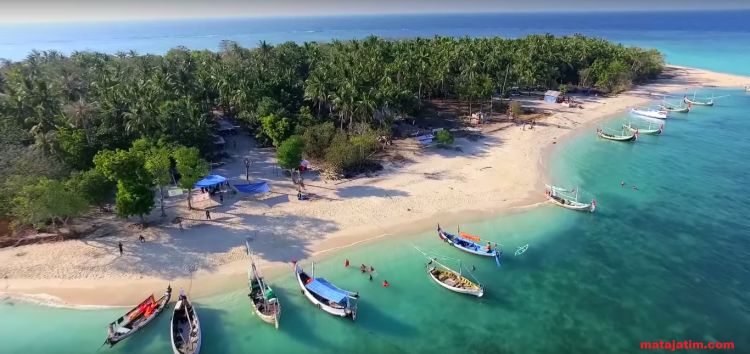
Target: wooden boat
x=624, y=137
x=563, y=197
x=469, y=244
x=326, y=296
x=137, y=318
x=698, y=103
x=650, y=113
x=185, y=328
x=651, y=130
x=453, y=280
x=265, y=303
x=681, y=109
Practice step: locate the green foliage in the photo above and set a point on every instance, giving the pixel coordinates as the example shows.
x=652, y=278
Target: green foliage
x=275, y=129
x=289, y=153
x=74, y=149
x=46, y=201
x=159, y=165
x=348, y=154
x=515, y=109
x=317, y=139
x=190, y=166
x=444, y=137
x=133, y=200
x=92, y=186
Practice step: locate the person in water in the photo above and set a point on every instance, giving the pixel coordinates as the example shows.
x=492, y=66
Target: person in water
x=386, y=284
x=346, y=263
x=622, y=183
x=363, y=268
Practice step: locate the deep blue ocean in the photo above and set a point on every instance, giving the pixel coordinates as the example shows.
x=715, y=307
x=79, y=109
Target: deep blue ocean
x=668, y=261
x=685, y=37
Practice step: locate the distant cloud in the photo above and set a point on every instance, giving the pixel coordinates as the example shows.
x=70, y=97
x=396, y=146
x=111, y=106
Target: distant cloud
x=107, y=10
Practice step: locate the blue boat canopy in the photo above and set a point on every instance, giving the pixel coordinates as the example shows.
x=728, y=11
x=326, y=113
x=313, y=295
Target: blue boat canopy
x=326, y=290
x=210, y=180
x=253, y=188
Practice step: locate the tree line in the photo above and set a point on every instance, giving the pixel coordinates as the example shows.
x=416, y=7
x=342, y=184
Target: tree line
x=60, y=114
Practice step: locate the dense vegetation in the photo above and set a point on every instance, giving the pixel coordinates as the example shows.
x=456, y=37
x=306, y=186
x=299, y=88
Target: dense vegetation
x=57, y=113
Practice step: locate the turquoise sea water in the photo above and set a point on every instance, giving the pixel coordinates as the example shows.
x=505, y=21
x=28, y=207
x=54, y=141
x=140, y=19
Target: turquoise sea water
x=667, y=261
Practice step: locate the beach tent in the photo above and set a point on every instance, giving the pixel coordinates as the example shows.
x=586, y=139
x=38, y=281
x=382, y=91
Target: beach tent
x=552, y=96
x=210, y=180
x=253, y=188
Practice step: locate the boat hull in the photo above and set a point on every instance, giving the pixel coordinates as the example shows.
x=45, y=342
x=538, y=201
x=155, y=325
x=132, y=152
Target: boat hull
x=340, y=312
x=630, y=138
x=695, y=103
x=116, y=337
x=475, y=292
x=198, y=338
x=649, y=114
x=643, y=131
x=451, y=240
x=273, y=316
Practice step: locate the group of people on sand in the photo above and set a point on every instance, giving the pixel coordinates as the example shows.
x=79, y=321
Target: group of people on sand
x=369, y=270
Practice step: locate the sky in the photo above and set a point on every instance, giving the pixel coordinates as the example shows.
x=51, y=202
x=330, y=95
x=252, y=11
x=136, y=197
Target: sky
x=24, y=11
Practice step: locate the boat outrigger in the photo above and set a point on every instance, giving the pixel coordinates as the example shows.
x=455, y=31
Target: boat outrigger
x=470, y=244
x=568, y=199
x=652, y=129
x=688, y=101
x=185, y=327
x=622, y=137
x=673, y=109
x=265, y=303
x=326, y=296
x=137, y=318
x=650, y=113
x=453, y=280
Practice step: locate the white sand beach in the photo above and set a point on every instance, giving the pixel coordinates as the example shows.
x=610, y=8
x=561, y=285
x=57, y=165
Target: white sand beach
x=503, y=169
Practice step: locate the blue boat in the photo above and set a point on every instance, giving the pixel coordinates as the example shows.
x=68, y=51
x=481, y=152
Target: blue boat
x=464, y=243
x=326, y=296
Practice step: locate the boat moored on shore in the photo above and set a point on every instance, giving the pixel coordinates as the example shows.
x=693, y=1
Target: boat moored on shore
x=137, y=318
x=470, y=244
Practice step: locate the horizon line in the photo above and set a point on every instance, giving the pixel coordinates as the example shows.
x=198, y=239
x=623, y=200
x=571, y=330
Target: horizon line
x=383, y=14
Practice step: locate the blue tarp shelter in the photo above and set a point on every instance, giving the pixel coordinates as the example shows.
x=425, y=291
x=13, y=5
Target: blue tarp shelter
x=552, y=96
x=327, y=290
x=253, y=188
x=210, y=180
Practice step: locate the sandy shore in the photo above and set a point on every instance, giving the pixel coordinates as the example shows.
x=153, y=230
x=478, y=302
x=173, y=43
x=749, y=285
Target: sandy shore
x=502, y=170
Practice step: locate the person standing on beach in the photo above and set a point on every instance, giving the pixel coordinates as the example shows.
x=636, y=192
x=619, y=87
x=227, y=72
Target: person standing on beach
x=142, y=239
x=208, y=214
x=119, y=245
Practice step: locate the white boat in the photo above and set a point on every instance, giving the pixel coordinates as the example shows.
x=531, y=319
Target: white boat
x=453, y=280
x=651, y=113
x=326, y=296
x=568, y=199
x=185, y=328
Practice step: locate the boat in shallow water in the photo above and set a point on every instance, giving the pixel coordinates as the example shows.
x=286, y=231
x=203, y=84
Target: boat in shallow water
x=652, y=129
x=470, y=244
x=698, y=103
x=326, y=296
x=453, y=280
x=137, y=318
x=650, y=113
x=568, y=199
x=185, y=328
x=617, y=137
x=265, y=303
x=669, y=108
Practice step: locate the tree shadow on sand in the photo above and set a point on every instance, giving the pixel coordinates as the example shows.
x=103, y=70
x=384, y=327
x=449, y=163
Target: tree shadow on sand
x=369, y=191
x=181, y=252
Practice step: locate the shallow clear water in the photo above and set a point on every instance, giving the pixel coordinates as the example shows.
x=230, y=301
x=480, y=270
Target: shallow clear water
x=668, y=261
